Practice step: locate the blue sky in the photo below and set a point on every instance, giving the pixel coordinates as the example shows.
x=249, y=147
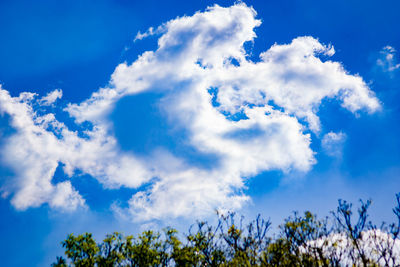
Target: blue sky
x=146, y=114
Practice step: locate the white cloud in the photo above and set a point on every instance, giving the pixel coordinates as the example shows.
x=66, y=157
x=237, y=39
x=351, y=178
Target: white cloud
x=207, y=80
x=332, y=143
x=32, y=154
x=41, y=142
x=387, y=60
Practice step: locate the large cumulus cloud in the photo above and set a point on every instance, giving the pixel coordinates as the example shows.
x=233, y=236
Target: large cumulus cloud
x=251, y=116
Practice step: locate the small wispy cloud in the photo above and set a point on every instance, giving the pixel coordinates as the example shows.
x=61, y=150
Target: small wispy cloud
x=51, y=97
x=151, y=31
x=332, y=143
x=387, y=60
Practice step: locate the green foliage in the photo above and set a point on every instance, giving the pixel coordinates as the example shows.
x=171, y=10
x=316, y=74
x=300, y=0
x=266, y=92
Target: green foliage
x=82, y=250
x=302, y=241
x=111, y=251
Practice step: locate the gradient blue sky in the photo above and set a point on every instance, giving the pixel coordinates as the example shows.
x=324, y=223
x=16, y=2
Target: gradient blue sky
x=76, y=46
